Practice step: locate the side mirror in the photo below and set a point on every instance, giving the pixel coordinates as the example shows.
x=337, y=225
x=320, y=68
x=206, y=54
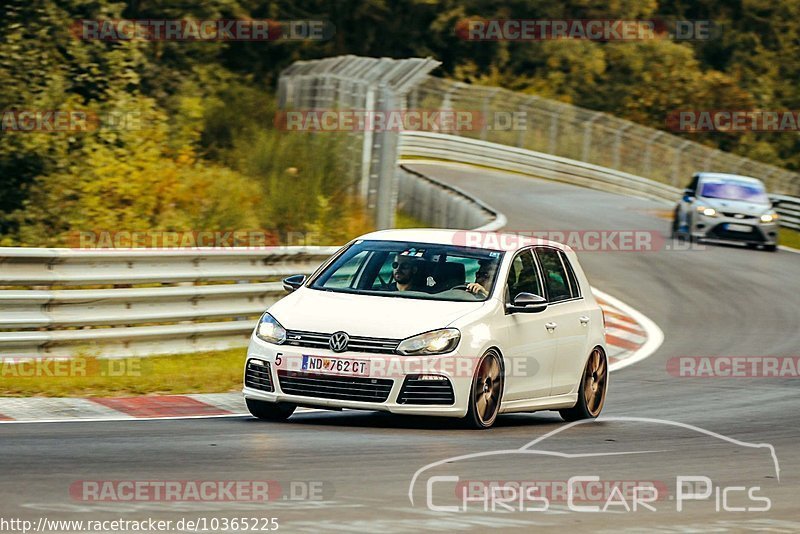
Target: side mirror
x=688, y=195
x=294, y=282
x=527, y=303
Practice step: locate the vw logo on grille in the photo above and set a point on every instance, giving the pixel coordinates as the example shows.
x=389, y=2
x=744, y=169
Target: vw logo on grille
x=338, y=341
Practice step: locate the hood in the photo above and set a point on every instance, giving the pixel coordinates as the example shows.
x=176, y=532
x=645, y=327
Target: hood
x=366, y=315
x=735, y=206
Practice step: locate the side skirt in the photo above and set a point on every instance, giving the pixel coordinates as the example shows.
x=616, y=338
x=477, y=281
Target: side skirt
x=556, y=402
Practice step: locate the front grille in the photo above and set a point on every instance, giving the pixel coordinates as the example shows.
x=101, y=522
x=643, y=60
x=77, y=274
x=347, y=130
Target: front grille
x=415, y=390
x=718, y=232
x=298, y=338
x=740, y=216
x=258, y=376
x=335, y=387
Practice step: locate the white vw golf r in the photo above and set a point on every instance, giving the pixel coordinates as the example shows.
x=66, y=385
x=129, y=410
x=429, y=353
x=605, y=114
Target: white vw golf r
x=434, y=322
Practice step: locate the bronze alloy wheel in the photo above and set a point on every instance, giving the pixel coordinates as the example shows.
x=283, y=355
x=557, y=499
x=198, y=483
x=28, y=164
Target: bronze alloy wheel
x=592, y=390
x=594, y=382
x=487, y=390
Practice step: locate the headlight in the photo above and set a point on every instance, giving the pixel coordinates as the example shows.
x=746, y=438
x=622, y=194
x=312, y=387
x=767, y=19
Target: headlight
x=270, y=330
x=769, y=217
x=708, y=212
x=436, y=342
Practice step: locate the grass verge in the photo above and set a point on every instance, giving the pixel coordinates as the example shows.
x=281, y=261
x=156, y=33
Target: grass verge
x=404, y=220
x=789, y=238
x=205, y=372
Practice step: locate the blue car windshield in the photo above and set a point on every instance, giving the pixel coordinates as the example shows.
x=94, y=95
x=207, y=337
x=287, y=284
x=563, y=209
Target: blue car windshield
x=734, y=190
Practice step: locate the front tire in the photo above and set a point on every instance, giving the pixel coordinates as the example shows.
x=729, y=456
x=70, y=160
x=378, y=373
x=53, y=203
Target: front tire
x=486, y=392
x=675, y=225
x=592, y=390
x=771, y=248
x=270, y=411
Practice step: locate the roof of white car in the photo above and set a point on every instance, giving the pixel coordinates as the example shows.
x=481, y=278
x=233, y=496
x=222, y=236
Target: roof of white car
x=725, y=176
x=468, y=238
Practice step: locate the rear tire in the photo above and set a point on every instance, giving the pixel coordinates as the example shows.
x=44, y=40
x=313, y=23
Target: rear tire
x=486, y=392
x=592, y=390
x=771, y=248
x=270, y=411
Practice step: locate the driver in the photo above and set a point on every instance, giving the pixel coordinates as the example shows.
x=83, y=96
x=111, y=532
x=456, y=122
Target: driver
x=404, y=271
x=483, y=278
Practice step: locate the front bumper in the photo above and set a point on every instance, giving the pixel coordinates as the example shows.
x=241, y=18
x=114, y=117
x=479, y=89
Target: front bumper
x=457, y=369
x=750, y=230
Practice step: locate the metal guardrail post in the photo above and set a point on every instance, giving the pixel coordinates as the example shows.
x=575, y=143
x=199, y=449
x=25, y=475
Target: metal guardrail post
x=385, y=158
x=617, y=161
x=380, y=83
x=587, y=138
x=553, y=133
x=522, y=133
x=447, y=105
x=486, y=111
x=366, y=145
x=676, y=163
x=648, y=153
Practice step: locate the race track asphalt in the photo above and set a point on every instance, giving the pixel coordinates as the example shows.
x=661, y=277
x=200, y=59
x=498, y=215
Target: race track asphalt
x=719, y=301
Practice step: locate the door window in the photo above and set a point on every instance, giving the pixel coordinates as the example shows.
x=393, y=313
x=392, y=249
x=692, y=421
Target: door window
x=555, y=276
x=523, y=276
x=574, y=287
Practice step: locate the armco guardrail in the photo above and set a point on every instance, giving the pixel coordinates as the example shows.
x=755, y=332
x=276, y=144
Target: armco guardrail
x=508, y=158
x=503, y=157
x=444, y=206
x=203, y=299
x=215, y=295
x=593, y=137
x=56, y=266
x=788, y=209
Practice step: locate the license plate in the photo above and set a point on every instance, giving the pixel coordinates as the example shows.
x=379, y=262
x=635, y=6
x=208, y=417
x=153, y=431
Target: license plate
x=740, y=228
x=335, y=365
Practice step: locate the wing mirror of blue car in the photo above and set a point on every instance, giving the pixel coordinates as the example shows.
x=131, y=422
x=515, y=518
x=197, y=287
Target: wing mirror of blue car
x=688, y=195
x=294, y=282
x=527, y=303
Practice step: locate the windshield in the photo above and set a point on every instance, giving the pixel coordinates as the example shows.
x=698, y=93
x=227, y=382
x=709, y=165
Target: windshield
x=734, y=190
x=412, y=270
